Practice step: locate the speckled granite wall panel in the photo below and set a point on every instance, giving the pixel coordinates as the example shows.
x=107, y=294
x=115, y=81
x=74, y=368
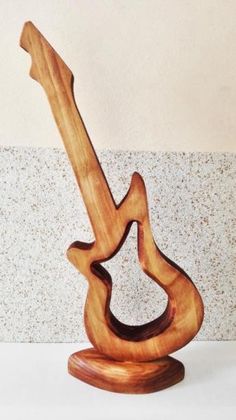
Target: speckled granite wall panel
x=193, y=214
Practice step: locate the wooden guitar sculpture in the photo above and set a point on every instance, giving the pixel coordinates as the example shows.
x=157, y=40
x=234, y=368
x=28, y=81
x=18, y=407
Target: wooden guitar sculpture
x=125, y=358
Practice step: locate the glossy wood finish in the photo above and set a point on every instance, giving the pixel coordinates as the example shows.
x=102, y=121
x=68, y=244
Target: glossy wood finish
x=96, y=369
x=111, y=223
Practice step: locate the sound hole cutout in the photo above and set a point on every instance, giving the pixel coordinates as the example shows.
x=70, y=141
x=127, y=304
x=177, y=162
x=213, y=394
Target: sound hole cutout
x=136, y=299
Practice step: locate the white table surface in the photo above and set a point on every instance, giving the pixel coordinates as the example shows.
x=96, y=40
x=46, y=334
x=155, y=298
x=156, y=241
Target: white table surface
x=35, y=385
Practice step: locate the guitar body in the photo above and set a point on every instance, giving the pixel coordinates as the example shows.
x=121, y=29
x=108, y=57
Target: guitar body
x=125, y=358
x=159, y=337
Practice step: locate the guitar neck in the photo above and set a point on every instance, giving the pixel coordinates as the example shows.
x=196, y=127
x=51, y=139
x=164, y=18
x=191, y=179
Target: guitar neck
x=57, y=80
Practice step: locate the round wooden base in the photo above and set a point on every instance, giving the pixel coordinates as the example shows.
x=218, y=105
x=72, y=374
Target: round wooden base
x=96, y=369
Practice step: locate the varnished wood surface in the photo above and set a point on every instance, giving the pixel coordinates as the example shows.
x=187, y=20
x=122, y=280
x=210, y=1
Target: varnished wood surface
x=125, y=357
x=96, y=369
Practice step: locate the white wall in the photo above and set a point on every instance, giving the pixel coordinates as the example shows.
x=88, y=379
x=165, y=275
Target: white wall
x=150, y=75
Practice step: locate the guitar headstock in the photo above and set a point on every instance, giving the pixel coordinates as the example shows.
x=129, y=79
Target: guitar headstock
x=47, y=66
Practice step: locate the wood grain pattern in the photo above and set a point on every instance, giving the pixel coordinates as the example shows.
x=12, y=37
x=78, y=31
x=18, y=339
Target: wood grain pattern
x=95, y=369
x=111, y=223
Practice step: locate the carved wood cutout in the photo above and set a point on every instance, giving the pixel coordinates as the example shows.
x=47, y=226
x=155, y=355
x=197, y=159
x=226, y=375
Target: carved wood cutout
x=111, y=222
